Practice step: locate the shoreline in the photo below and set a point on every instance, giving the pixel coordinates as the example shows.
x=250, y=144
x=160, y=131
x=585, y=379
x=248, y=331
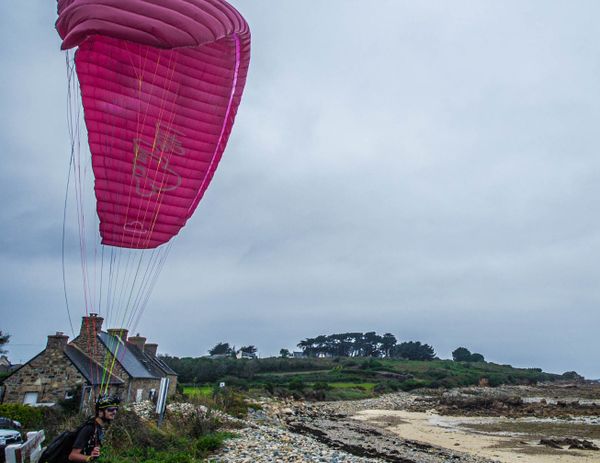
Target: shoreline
x=400, y=428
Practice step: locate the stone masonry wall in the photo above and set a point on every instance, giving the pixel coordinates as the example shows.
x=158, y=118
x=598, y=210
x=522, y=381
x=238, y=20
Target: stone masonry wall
x=97, y=350
x=51, y=374
x=172, y=385
x=146, y=385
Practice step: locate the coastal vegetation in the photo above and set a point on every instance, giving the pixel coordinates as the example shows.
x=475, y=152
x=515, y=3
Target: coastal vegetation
x=340, y=378
x=188, y=434
x=343, y=366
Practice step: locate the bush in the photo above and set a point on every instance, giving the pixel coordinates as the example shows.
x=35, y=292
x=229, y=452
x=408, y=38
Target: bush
x=296, y=384
x=129, y=430
x=411, y=384
x=371, y=364
x=29, y=417
x=321, y=386
x=211, y=442
x=181, y=439
x=231, y=402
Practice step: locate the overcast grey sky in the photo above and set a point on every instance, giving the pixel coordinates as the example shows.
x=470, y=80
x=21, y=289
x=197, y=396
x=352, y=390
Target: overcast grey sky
x=426, y=168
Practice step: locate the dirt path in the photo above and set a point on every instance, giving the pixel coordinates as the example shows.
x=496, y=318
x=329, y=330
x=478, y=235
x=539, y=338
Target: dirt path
x=450, y=433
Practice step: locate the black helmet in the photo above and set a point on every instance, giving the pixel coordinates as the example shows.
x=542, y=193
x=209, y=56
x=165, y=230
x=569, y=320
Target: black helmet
x=107, y=401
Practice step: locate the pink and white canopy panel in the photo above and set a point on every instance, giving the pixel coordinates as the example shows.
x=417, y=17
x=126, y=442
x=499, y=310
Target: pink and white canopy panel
x=161, y=81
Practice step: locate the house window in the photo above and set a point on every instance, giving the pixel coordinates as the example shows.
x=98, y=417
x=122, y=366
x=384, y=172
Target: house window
x=152, y=395
x=30, y=398
x=139, y=395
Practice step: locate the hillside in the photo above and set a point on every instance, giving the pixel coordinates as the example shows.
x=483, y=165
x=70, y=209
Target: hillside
x=346, y=378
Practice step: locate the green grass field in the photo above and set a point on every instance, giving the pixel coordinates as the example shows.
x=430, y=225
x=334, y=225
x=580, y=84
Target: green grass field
x=364, y=386
x=198, y=391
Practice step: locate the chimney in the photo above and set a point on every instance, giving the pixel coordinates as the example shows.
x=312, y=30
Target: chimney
x=91, y=325
x=151, y=349
x=57, y=341
x=137, y=341
x=120, y=332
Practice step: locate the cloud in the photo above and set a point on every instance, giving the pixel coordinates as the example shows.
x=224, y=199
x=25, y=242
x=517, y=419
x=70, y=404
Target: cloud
x=415, y=168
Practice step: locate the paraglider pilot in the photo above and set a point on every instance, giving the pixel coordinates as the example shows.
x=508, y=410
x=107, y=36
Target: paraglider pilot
x=89, y=439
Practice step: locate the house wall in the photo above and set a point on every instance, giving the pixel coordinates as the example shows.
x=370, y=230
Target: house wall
x=172, y=385
x=145, y=385
x=51, y=374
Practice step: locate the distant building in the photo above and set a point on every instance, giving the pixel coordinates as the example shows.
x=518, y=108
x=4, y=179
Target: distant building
x=240, y=354
x=124, y=366
x=298, y=354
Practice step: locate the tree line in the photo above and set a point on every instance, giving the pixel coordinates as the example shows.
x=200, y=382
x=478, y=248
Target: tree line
x=355, y=344
x=370, y=344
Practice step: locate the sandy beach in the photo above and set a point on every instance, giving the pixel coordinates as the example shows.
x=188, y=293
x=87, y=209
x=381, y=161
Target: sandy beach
x=450, y=432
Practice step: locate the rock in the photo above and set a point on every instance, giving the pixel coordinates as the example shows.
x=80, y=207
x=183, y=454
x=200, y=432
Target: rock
x=552, y=443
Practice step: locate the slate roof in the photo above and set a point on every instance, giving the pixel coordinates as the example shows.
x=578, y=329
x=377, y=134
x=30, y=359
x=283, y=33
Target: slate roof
x=91, y=371
x=164, y=367
x=155, y=365
x=129, y=360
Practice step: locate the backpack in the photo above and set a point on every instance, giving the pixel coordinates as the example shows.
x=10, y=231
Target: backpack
x=59, y=449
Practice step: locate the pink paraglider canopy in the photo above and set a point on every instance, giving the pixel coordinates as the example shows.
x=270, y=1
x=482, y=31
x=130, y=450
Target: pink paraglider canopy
x=161, y=81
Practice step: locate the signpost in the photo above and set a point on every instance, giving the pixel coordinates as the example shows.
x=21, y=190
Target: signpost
x=161, y=402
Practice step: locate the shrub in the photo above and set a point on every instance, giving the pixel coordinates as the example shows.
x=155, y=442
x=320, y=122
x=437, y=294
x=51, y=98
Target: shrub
x=211, y=442
x=128, y=430
x=182, y=439
x=296, y=384
x=231, y=402
x=371, y=364
x=411, y=384
x=321, y=386
x=29, y=417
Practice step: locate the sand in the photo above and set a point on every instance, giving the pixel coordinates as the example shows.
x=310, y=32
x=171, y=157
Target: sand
x=445, y=431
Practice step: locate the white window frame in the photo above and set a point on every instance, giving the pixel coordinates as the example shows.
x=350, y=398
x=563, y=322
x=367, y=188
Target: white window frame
x=28, y=396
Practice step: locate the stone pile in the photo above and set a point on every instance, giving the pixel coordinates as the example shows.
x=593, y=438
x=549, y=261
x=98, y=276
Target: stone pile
x=272, y=444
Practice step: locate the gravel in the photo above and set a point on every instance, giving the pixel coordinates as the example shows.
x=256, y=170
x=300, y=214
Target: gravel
x=288, y=431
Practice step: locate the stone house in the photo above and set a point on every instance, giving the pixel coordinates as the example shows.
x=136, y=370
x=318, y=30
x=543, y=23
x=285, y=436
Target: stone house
x=96, y=360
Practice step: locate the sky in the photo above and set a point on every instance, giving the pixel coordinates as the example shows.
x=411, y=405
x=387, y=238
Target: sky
x=428, y=169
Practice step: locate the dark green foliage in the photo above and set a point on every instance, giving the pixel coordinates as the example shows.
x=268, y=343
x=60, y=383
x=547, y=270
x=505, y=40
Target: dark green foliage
x=4, y=338
x=211, y=442
x=371, y=364
x=321, y=386
x=572, y=375
x=269, y=387
x=413, y=351
x=284, y=353
x=231, y=402
x=304, y=378
x=387, y=386
x=461, y=354
x=29, y=417
x=368, y=344
x=205, y=370
x=188, y=439
x=71, y=406
x=222, y=348
x=296, y=384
